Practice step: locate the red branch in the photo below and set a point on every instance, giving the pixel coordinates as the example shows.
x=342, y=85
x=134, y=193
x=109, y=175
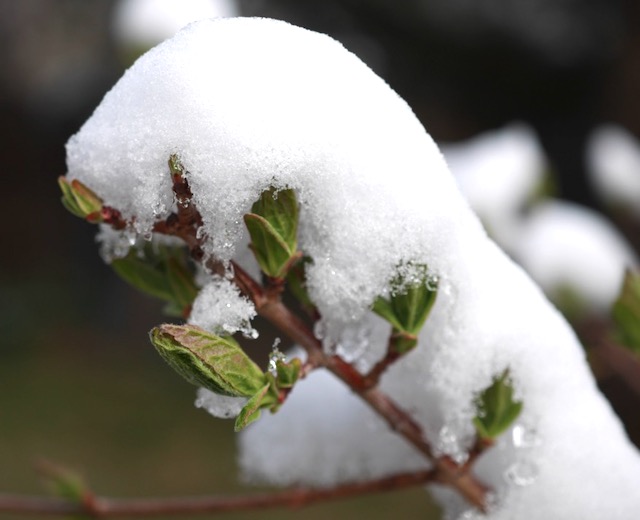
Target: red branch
x=398, y=419
x=269, y=305
x=100, y=507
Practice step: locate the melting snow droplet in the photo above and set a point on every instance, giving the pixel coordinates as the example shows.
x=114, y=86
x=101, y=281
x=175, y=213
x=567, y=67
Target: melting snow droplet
x=250, y=333
x=275, y=356
x=130, y=235
x=522, y=473
x=525, y=437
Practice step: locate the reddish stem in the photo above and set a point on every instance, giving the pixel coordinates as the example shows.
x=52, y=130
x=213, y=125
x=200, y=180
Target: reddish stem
x=101, y=507
x=398, y=419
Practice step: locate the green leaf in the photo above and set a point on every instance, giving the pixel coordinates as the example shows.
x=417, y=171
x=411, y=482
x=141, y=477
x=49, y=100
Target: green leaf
x=181, y=282
x=273, y=227
x=408, y=306
x=496, y=408
x=207, y=360
x=280, y=209
x=144, y=274
x=161, y=272
x=287, y=373
x=263, y=398
x=270, y=250
x=297, y=283
x=626, y=312
x=80, y=200
x=63, y=482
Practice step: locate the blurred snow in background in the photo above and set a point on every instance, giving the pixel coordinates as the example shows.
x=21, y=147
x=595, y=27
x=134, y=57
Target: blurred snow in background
x=576, y=255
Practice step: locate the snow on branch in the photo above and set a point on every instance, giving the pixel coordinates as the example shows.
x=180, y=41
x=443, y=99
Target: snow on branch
x=252, y=105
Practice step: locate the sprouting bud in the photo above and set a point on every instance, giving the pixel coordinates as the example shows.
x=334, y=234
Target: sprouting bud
x=273, y=228
x=496, y=409
x=408, y=306
x=80, y=200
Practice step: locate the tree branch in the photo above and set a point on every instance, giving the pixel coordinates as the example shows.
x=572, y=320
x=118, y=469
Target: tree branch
x=398, y=419
x=101, y=507
x=269, y=305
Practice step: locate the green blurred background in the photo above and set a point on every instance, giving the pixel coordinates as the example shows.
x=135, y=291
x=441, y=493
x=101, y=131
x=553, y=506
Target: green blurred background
x=79, y=382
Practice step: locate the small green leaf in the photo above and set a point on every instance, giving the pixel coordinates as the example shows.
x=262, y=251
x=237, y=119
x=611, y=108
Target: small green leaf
x=287, y=373
x=207, y=360
x=297, y=283
x=496, y=408
x=408, y=306
x=263, y=398
x=63, y=482
x=183, y=287
x=80, y=200
x=273, y=228
x=175, y=165
x=161, y=272
x=626, y=312
x=144, y=274
x=280, y=209
x=270, y=250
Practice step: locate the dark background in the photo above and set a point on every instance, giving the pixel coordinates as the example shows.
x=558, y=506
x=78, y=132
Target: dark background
x=79, y=382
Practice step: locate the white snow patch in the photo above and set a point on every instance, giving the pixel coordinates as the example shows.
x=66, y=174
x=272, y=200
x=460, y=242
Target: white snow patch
x=221, y=309
x=613, y=157
x=253, y=103
x=498, y=172
x=564, y=246
x=221, y=406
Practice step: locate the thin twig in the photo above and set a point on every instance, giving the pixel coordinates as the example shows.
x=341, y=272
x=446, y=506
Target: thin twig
x=269, y=305
x=398, y=419
x=102, y=507
x=373, y=376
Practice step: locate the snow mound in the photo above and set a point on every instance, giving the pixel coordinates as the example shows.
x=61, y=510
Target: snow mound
x=253, y=103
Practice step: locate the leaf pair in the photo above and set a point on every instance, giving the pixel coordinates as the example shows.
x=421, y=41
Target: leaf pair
x=496, y=408
x=407, y=308
x=80, y=200
x=273, y=227
x=162, y=272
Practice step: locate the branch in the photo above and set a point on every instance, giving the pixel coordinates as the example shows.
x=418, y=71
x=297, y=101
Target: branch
x=398, y=419
x=269, y=305
x=100, y=507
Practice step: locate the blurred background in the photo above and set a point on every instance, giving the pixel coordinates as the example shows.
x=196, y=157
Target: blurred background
x=535, y=104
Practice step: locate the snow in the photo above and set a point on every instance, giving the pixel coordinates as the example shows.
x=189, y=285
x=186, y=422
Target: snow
x=141, y=24
x=253, y=103
x=564, y=246
x=575, y=254
x=613, y=157
x=221, y=309
x=220, y=406
x=498, y=172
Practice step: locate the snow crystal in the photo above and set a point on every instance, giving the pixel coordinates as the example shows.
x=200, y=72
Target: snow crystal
x=566, y=247
x=613, y=157
x=253, y=103
x=221, y=309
